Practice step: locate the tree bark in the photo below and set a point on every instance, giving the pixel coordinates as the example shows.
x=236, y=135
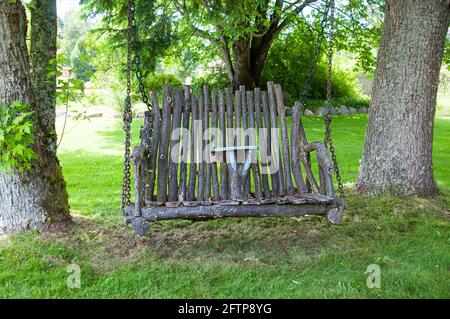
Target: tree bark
x=43, y=56
x=398, y=147
x=249, y=55
x=36, y=197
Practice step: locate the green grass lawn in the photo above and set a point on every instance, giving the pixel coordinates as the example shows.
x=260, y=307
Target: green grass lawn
x=273, y=257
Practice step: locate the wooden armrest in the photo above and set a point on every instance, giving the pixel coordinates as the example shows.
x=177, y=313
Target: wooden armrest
x=323, y=157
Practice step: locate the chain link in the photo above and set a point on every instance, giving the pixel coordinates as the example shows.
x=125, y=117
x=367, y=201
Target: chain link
x=328, y=117
x=137, y=60
x=127, y=117
x=137, y=63
x=132, y=45
x=313, y=65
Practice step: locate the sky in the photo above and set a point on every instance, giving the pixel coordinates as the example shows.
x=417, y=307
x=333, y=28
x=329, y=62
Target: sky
x=65, y=6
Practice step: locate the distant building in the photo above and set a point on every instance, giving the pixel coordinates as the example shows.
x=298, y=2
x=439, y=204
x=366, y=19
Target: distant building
x=66, y=73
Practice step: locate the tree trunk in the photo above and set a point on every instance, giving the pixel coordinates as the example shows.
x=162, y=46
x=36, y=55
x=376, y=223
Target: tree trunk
x=397, y=151
x=38, y=196
x=249, y=55
x=43, y=55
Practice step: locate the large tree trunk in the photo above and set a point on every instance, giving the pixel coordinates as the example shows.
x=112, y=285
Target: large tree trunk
x=397, y=151
x=38, y=196
x=43, y=55
x=249, y=55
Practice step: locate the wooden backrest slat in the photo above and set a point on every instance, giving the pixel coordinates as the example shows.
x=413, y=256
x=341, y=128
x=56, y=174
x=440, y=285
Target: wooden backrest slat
x=163, y=159
x=284, y=140
x=229, y=137
x=214, y=126
x=174, y=147
x=206, y=143
x=244, y=106
x=190, y=195
x=295, y=150
x=253, y=140
x=201, y=144
x=155, y=139
x=262, y=138
x=223, y=143
x=184, y=143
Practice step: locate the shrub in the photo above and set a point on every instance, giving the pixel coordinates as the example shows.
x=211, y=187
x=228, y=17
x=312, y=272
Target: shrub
x=217, y=80
x=156, y=82
x=289, y=60
x=16, y=136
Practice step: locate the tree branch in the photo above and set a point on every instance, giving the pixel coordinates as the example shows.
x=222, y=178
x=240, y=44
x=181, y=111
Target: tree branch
x=296, y=10
x=200, y=33
x=223, y=41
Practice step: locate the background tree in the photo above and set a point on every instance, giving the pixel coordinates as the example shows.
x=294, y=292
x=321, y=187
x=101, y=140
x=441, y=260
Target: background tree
x=240, y=32
x=398, y=147
x=36, y=196
x=73, y=44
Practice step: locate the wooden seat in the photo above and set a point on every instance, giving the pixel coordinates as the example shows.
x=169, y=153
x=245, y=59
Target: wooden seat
x=254, y=159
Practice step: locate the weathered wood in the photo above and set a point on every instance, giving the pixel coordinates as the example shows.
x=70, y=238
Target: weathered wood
x=322, y=182
x=200, y=143
x=155, y=139
x=244, y=107
x=161, y=195
x=184, y=144
x=267, y=123
x=238, y=115
x=136, y=158
x=190, y=195
x=229, y=111
x=174, y=147
x=295, y=148
x=230, y=138
x=216, y=142
x=323, y=159
x=330, y=185
x=255, y=163
x=145, y=174
x=235, y=166
x=275, y=139
x=206, y=150
x=145, y=134
x=262, y=134
x=223, y=142
x=305, y=159
x=284, y=139
x=219, y=211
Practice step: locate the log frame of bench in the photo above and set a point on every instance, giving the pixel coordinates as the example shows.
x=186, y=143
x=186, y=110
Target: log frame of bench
x=160, y=213
x=233, y=197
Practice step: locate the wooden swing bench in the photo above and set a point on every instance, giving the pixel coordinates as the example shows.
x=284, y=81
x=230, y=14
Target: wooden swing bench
x=180, y=175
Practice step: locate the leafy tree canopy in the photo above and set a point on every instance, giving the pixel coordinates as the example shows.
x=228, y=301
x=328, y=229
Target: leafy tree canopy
x=207, y=29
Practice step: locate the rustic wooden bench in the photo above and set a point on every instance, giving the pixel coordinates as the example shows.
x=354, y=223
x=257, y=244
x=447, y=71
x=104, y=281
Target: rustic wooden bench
x=253, y=160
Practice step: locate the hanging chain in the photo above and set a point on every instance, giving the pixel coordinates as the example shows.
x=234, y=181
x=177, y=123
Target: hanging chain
x=329, y=115
x=137, y=60
x=132, y=45
x=313, y=66
x=127, y=117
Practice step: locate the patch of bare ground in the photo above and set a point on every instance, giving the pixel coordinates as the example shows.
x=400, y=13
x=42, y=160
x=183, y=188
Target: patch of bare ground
x=263, y=241
x=239, y=240
x=105, y=246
